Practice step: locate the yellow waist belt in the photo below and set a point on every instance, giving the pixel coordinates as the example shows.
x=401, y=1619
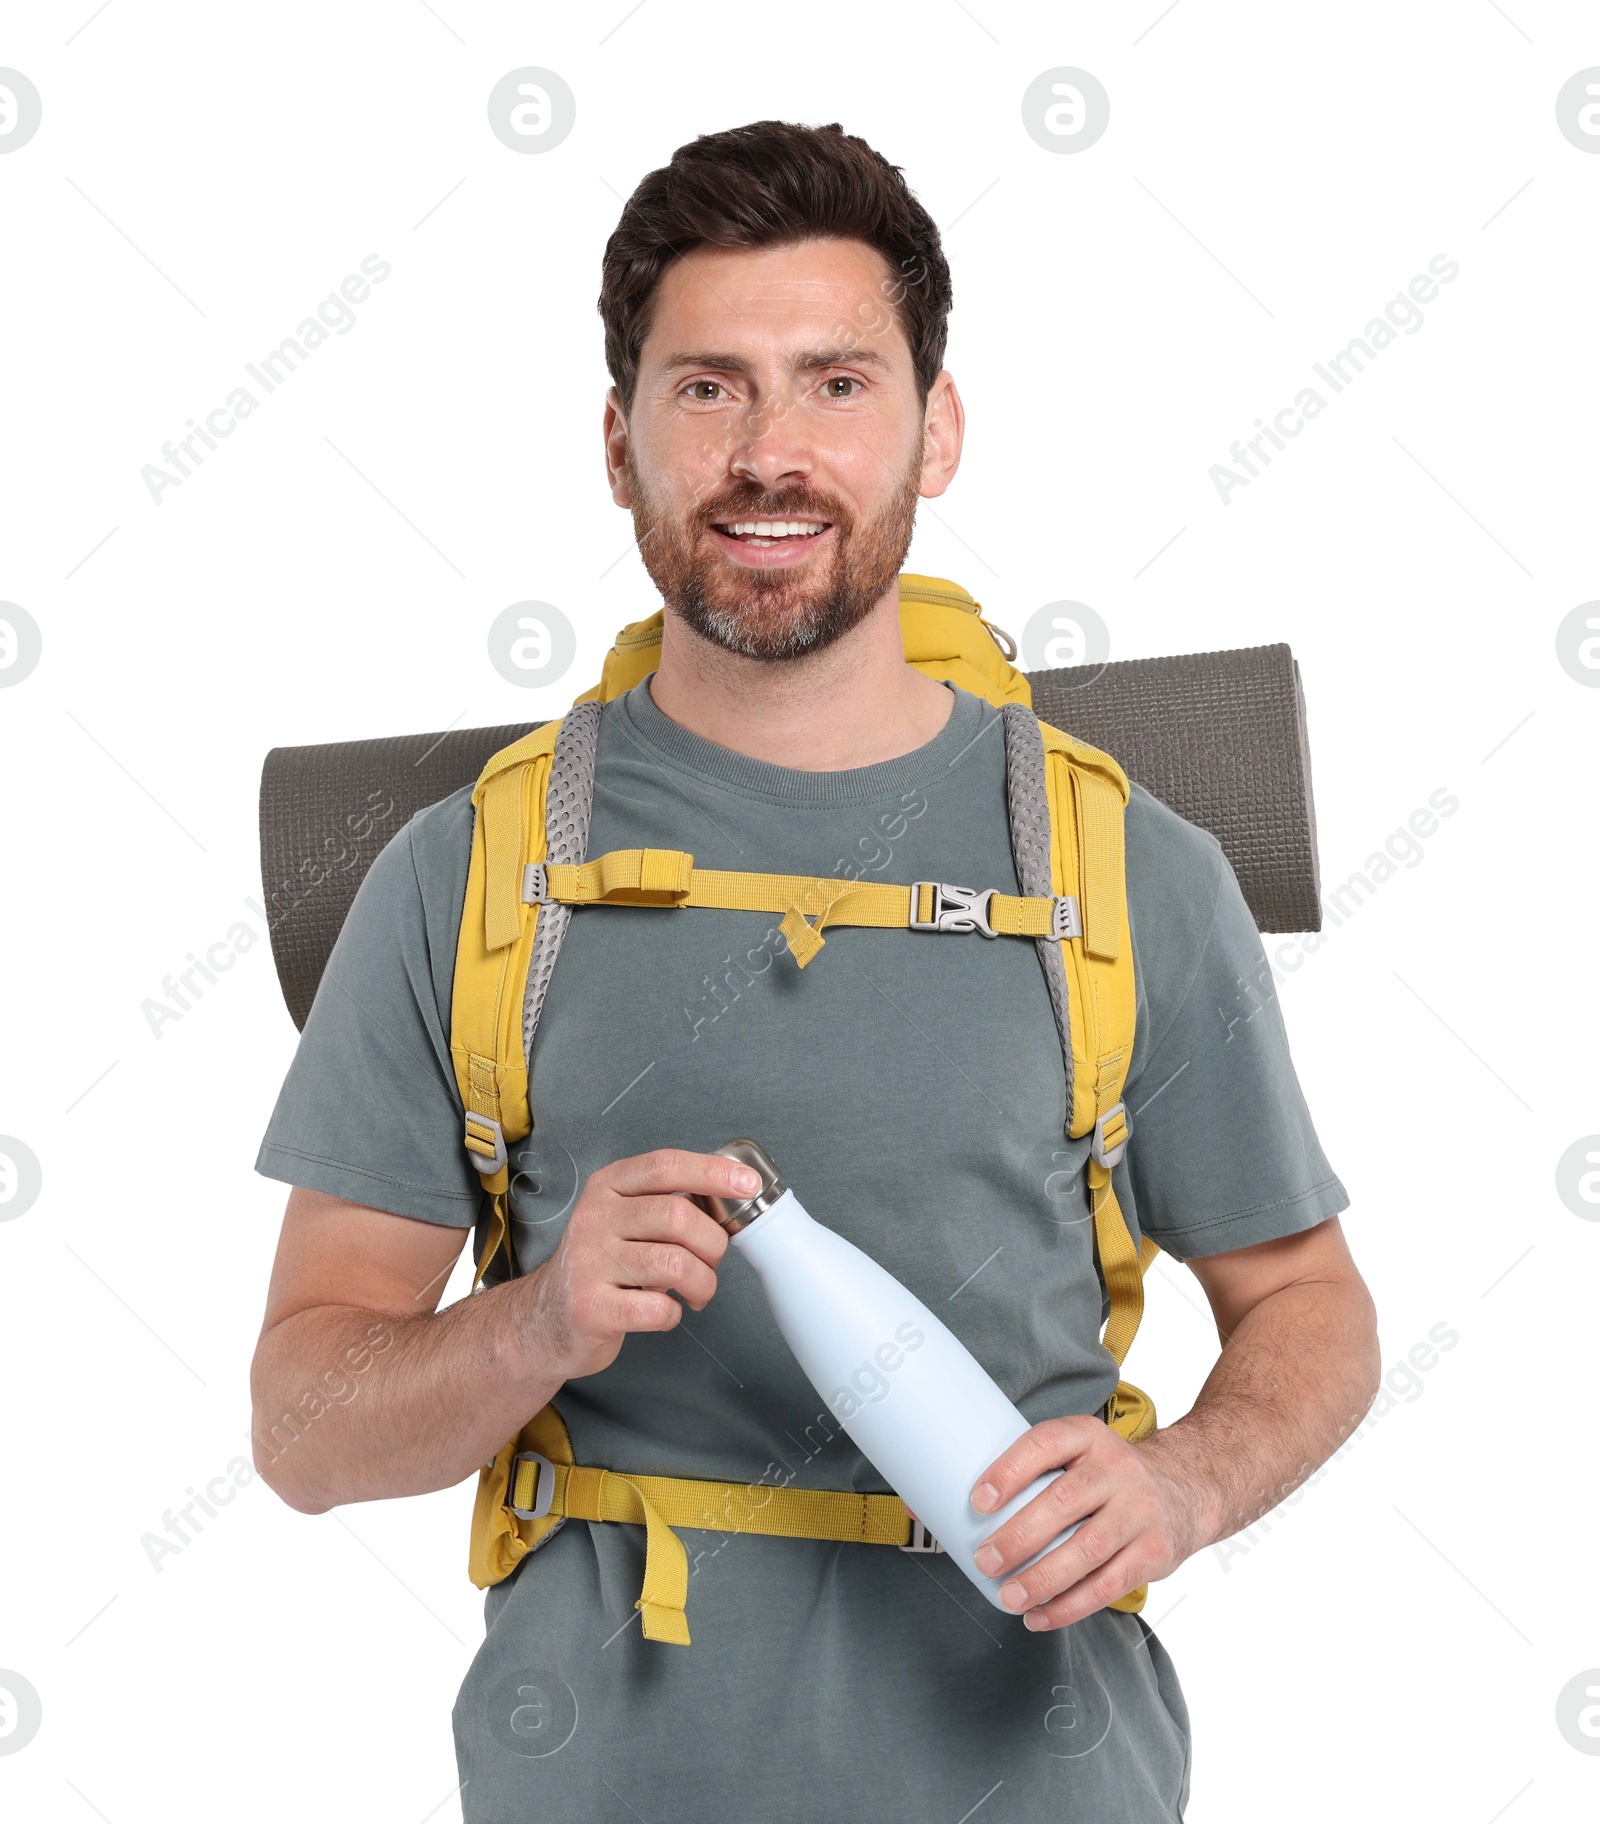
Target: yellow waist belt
x=526, y=1493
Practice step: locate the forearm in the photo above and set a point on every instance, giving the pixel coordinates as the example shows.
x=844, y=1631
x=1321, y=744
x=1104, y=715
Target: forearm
x=1294, y=1379
x=350, y=1404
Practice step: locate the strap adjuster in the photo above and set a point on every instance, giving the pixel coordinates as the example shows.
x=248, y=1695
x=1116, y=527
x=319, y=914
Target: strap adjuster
x=953, y=908
x=544, y=1492
x=1112, y=1132
x=921, y=1539
x=535, y=884
x=1065, y=918
x=485, y=1143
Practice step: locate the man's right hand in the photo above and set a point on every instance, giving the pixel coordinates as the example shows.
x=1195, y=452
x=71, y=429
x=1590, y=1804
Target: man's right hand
x=363, y=1389
x=633, y=1239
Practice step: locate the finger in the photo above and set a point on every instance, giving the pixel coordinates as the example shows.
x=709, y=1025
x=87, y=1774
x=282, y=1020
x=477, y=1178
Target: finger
x=619, y=1308
x=1123, y=1571
x=1053, y=1444
x=666, y=1267
x=670, y=1169
x=1064, y=1501
x=666, y=1218
x=612, y=1260
x=1097, y=1540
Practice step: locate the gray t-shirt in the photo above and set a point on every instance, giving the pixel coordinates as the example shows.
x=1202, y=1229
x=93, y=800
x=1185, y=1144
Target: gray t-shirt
x=912, y=1090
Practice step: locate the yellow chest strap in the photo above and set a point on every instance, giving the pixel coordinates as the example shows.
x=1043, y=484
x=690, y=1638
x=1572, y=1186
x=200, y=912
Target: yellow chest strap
x=668, y=877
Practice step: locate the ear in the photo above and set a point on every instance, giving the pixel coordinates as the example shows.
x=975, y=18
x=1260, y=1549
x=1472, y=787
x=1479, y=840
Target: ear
x=944, y=422
x=615, y=431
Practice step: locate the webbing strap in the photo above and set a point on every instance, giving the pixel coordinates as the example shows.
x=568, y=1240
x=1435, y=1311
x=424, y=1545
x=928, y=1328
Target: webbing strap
x=505, y=838
x=499, y=1229
x=1100, y=807
x=668, y=877
x=1121, y=1264
x=658, y=1503
x=623, y=876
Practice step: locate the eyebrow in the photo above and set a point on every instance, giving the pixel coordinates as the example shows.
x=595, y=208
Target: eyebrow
x=813, y=361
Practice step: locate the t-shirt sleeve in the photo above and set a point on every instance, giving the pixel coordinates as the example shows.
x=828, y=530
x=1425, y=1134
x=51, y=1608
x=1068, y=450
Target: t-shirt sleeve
x=369, y=1110
x=1223, y=1152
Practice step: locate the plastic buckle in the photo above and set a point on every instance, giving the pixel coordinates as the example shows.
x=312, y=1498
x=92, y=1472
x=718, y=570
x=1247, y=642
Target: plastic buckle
x=921, y=1539
x=544, y=1490
x=1065, y=919
x=954, y=908
x=485, y=1127
x=1102, y=1154
x=535, y=884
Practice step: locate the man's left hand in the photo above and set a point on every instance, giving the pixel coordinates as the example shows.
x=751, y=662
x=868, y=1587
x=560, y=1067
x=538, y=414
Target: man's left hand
x=1138, y=1521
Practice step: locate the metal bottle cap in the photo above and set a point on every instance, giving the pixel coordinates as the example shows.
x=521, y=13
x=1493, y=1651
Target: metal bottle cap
x=735, y=1213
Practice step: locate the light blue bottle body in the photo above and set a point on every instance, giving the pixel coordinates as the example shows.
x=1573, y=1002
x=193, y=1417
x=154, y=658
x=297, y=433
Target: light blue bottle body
x=906, y=1389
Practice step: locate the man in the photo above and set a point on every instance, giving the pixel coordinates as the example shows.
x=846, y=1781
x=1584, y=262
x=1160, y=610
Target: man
x=775, y=305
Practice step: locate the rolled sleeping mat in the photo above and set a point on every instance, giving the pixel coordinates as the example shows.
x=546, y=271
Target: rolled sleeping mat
x=326, y=811
x=1220, y=737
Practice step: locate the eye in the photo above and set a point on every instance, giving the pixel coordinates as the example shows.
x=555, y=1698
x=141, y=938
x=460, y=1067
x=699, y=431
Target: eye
x=838, y=380
x=703, y=391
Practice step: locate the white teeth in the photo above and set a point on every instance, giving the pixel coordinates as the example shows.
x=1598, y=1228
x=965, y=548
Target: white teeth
x=774, y=528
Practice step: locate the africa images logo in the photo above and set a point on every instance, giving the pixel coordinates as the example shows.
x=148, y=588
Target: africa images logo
x=1402, y=315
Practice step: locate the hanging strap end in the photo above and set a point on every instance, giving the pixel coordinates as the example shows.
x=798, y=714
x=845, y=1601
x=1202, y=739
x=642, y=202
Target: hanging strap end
x=663, y=1623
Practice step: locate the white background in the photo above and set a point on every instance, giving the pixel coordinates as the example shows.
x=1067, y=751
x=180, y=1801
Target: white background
x=1270, y=179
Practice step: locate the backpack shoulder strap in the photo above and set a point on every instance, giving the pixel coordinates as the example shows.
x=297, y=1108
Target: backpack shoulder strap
x=1067, y=801
x=492, y=962
x=532, y=803
x=1088, y=793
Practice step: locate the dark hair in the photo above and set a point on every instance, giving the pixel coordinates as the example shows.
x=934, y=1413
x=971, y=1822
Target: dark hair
x=770, y=184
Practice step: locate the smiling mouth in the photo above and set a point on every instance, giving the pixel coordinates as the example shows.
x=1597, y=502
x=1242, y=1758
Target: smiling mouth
x=764, y=533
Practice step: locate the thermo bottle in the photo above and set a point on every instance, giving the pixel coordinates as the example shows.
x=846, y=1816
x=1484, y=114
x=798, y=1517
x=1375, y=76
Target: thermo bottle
x=921, y=1409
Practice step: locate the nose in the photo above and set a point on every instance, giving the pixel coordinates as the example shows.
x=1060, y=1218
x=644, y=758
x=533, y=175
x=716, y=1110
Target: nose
x=772, y=448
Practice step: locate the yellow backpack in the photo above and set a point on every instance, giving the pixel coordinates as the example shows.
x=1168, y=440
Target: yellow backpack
x=528, y=870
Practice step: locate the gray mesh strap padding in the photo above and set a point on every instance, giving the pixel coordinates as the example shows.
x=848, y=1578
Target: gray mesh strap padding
x=568, y=801
x=1028, y=805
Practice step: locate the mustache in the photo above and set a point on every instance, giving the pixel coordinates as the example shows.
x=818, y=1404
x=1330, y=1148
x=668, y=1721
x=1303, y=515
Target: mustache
x=787, y=503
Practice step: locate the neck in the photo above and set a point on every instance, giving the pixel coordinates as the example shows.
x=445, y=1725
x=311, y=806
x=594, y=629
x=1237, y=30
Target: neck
x=853, y=704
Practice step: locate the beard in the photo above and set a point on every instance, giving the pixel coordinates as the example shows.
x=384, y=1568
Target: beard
x=774, y=614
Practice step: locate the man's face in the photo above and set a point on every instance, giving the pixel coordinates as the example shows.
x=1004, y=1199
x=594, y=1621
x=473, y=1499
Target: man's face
x=775, y=449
